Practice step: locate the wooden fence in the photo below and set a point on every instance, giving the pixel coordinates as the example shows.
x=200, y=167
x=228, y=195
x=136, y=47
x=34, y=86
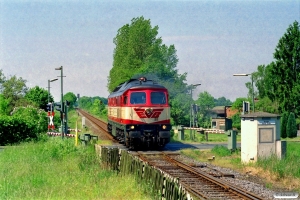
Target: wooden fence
x=165, y=186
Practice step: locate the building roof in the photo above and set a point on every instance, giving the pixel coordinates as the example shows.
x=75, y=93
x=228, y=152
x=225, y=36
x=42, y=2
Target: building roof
x=260, y=114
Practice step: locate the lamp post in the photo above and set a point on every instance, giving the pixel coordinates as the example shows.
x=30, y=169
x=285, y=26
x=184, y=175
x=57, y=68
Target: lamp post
x=49, y=88
x=253, y=108
x=191, y=111
x=61, y=99
x=49, y=98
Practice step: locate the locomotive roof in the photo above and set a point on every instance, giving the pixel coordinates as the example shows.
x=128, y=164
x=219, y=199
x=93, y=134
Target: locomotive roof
x=135, y=84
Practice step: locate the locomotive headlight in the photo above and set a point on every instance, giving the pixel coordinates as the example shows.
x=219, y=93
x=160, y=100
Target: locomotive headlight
x=164, y=127
x=132, y=127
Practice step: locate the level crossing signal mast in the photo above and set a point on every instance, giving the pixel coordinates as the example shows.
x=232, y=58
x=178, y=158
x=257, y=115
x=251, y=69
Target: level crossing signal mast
x=63, y=109
x=51, y=114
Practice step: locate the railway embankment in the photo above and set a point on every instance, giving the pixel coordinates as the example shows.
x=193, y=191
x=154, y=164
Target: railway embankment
x=174, y=176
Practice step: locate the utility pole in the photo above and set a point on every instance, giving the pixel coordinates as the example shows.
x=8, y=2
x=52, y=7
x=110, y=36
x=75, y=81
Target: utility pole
x=49, y=88
x=253, y=107
x=61, y=100
x=191, y=111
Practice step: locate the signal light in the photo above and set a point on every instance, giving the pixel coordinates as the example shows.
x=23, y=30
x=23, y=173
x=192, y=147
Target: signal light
x=49, y=107
x=246, y=106
x=196, y=108
x=67, y=103
x=59, y=107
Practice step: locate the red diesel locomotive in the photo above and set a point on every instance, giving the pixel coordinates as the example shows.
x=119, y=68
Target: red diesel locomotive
x=139, y=114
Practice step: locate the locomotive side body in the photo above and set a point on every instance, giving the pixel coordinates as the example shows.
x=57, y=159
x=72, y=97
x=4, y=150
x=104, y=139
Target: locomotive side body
x=139, y=114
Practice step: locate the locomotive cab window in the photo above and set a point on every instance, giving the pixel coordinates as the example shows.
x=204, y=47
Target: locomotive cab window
x=158, y=98
x=138, y=98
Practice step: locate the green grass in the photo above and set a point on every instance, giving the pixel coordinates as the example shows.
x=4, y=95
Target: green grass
x=286, y=167
x=221, y=151
x=197, y=137
x=56, y=169
x=283, y=172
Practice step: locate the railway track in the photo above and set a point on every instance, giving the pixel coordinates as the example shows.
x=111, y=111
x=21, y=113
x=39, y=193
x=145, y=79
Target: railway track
x=101, y=125
x=202, y=181
x=197, y=182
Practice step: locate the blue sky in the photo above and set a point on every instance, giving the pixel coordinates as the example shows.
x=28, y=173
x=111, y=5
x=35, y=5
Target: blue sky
x=213, y=39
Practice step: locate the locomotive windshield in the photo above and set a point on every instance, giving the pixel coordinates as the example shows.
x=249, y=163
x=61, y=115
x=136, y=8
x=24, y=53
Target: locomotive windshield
x=138, y=98
x=158, y=98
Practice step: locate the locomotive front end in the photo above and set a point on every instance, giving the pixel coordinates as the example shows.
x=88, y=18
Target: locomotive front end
x=139, y=114
x=150, y=117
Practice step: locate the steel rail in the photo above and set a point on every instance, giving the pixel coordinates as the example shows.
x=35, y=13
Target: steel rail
x=228, y=187
x=99, y=123
x=208, y=186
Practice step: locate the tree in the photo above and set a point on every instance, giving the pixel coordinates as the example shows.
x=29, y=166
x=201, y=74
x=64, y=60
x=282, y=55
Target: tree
x=2, y=79
x=266, y=105
x=85, y=102
x=34, y=116
x=14, y=89
x=236, y=121
x=222, y=101
x=238, y=103
x=71, y=98
x=291, y=128
x=285, y=71
x=98, y=108
x=283, y=124
x=39, y=97
x=180, y=109
x=139, y=51
x=4, y=105
x=205, y=102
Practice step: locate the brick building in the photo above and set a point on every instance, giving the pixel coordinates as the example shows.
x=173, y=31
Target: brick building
x=221, y=114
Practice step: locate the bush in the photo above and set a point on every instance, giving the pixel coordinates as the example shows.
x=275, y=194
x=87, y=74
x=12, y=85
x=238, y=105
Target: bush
x=236, y=121
x=221, y=151
x=291, y=127
x=283, y=123
x=14, y=129
x=26, y=123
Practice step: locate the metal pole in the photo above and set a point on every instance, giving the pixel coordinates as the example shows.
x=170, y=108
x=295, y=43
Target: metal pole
x=48, y=90
x=191, y=137
x=61, y=101
x=191, y=111
x=252, y=93
x=66, y=118
x=253, y=107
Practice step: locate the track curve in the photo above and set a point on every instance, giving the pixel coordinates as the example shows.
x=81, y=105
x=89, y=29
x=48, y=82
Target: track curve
x=101, y=125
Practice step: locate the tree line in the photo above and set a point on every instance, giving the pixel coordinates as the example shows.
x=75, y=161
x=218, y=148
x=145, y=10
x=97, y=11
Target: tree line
x=278, y=83
x=138, y=50
x=23, y=110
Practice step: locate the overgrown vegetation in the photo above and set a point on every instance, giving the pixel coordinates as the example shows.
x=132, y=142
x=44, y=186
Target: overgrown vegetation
x=94, y=105
x=221, y=151
x=284, y=173
x=55, y=169
x=286, y=167
x=24, y=124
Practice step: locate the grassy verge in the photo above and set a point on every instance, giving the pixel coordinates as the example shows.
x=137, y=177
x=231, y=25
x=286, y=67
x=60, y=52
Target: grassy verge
x=197, y=137
x=279, y=173
x=56, y=169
